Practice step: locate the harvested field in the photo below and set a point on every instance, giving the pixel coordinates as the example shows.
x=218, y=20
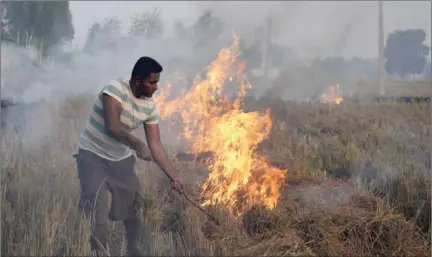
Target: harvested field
x=283, y=178
x=358, y=183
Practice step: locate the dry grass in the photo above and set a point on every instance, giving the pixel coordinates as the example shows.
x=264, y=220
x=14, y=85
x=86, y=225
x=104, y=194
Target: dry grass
x=358, y=183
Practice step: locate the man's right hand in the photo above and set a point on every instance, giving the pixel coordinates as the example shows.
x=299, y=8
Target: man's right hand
x=177, y=185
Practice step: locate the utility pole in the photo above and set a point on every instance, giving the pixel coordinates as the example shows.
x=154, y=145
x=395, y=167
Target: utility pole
x=381, y=49
x=1, y=84
x=267, y=50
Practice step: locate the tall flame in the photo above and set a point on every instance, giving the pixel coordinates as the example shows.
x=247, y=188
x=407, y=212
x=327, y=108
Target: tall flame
x=239, y=176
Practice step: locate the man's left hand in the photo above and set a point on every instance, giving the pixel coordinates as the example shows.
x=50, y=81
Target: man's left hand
x=145, y=154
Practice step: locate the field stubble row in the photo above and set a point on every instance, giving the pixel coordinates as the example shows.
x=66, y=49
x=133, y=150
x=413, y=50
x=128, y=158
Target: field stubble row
x=358, y=183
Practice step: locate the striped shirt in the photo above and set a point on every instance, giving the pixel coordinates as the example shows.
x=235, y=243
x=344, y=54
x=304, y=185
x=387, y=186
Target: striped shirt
x=95, y=136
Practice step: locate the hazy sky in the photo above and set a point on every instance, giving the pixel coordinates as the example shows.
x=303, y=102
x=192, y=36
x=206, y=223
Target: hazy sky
x=313, y=28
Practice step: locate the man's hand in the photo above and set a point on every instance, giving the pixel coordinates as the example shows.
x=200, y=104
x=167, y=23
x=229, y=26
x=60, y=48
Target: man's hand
x=177, y=185
x=144, y=154
x=160, y=156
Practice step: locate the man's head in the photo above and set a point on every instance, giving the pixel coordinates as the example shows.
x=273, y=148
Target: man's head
x=145, y=77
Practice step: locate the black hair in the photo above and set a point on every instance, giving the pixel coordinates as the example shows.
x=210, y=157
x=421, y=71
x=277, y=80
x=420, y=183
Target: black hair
x=144, y=66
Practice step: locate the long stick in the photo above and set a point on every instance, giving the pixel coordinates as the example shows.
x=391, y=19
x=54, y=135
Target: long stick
x=216, y=221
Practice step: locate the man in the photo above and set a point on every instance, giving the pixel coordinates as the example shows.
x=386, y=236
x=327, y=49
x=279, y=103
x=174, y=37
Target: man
x=105, y=159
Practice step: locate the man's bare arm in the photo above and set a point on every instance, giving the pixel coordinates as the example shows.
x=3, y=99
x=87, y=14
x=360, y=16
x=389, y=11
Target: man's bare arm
x=113, y=124
x=158, y=152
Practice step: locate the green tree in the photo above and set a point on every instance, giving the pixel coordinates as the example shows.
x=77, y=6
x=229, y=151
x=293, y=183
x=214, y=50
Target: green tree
x=44, y=23
x=405, y=52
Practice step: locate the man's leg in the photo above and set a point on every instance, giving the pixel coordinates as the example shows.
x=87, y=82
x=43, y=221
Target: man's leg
x=99, y=236
x=94, y=198
x=133, y=228
x=127, y=202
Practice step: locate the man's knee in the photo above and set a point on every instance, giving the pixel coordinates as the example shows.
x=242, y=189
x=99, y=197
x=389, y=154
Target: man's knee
x=95, y=206
x=86, y=206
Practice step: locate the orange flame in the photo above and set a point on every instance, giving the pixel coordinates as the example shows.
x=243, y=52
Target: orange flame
x=333, y=96
x=239, y=176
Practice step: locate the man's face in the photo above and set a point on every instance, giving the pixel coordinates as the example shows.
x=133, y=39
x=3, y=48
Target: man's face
x=150, y=85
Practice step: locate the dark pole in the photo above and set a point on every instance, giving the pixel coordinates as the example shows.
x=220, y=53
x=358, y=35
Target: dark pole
x=381, y=48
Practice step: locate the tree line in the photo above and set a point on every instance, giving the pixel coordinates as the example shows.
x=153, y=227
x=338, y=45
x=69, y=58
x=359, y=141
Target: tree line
x=47, y=24
x=43, y=24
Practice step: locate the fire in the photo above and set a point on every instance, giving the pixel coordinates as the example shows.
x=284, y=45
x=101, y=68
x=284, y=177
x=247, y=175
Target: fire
x=239, y=176
x=334, y=95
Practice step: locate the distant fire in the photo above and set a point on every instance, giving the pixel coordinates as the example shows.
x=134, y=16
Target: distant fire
x=333, y=95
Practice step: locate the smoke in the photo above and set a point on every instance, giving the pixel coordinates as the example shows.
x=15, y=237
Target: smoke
x=40, y=88
x=312, y=28
x=308, y=29
x=304, y=30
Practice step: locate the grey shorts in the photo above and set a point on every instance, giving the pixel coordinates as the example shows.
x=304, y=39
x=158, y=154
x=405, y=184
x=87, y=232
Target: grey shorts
x=98, y=177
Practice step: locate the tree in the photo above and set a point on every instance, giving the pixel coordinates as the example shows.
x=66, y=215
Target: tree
x=4, y=25
x=111, y=28
x=46, y=23
x=405, y=52
x=91, y=37
x=104, y=35
x=147, y=24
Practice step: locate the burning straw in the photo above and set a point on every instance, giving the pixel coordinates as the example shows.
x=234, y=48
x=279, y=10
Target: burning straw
x=239, y=176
